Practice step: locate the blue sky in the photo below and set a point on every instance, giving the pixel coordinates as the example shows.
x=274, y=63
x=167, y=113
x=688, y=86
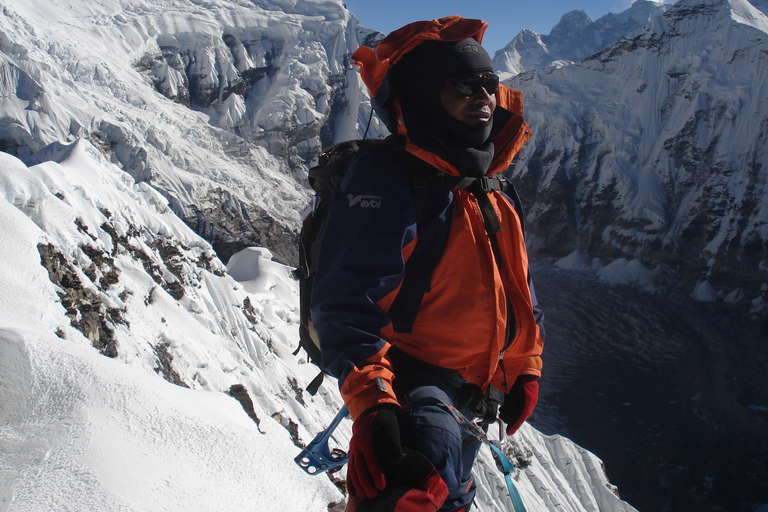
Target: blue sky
x=505, y=17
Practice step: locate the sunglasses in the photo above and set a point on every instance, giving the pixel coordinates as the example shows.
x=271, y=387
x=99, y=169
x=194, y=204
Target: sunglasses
x=469, y=84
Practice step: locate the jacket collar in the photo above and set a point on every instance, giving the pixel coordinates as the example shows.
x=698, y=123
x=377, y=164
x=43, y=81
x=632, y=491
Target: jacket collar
x=510, y=132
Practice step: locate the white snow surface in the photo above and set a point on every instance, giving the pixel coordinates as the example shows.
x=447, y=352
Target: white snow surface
x=82, y=431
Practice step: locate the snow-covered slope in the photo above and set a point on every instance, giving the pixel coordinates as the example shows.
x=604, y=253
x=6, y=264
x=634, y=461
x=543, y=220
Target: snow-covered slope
x=653, y=152
x=123, y=340
x=574, y=38
x=220, y=106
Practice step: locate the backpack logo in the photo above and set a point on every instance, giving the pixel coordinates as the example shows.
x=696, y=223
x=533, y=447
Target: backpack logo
x=365, y=201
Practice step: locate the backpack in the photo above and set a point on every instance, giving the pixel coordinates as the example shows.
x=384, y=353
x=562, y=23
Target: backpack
x=325, y=178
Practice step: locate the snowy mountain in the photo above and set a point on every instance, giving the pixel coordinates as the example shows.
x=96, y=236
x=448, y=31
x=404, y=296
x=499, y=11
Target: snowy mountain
x=647, y=170
x=256, y=91
x=137, y=372
x=124, y=343
x=157, y=139
x=652, y=154
x=574, y=38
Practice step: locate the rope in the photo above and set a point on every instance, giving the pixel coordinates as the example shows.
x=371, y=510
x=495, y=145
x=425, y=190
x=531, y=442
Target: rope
x=367, y=126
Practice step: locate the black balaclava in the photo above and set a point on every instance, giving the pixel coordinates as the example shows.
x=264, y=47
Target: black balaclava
x=417, y=80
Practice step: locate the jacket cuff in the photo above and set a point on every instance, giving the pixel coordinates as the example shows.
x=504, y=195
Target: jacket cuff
x=533, y=366
x=369, y=385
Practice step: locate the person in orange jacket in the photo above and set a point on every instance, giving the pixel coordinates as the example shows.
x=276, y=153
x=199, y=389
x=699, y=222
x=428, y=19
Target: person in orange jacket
x=424, y=295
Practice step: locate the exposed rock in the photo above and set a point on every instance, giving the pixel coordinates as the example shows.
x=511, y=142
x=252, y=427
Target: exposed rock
x=165, y=365
x=83, y=305
x=231, y=225
x=239, y=392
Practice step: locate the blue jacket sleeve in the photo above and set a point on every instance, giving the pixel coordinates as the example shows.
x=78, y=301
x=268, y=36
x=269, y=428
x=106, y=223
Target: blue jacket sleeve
x=370, y=224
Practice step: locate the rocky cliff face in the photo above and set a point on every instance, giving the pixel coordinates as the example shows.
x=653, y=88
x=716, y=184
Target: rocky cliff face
x=654, y=150
x=277, y=85
x=574, y=38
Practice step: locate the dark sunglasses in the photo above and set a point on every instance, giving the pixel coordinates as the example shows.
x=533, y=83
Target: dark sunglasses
x=469, y=84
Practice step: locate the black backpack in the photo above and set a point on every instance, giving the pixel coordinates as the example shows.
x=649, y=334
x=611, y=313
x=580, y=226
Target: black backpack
x=325, y=178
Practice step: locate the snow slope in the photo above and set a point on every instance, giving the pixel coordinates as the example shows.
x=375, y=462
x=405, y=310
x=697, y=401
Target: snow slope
x=93, y=265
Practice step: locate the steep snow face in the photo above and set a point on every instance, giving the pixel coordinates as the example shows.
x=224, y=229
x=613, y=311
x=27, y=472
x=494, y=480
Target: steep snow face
x=654, y=149
x=575, y=37
x=220, y=108
x=124, y=342
x=98, y=264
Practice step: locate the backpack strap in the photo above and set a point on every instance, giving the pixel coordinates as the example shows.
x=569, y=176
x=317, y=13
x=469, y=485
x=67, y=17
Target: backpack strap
x=422, y=180
x=422, y=176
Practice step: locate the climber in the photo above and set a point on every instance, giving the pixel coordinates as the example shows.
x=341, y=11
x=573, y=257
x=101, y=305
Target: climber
x=426, y=292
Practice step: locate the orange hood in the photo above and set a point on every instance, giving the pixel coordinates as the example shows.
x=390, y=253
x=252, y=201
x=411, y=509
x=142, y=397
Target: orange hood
x=375, y=66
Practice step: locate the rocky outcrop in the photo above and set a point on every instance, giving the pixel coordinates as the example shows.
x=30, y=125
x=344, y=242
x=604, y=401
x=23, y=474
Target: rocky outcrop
x=85, y=309
x=87, y=281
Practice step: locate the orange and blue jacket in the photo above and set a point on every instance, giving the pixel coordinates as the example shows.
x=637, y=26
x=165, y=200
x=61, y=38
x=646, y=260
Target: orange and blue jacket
x=433, y=288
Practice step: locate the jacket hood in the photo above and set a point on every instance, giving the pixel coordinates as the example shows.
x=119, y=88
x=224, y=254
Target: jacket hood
x=375, y=71
x=374, y=65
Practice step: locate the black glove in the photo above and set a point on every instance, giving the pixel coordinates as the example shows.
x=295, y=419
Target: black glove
x=377, y=459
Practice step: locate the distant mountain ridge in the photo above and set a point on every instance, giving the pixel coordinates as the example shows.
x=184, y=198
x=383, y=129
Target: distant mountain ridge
x=574, y=38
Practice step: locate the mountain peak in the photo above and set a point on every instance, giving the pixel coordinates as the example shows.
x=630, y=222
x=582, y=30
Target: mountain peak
x=574, y=38
x=686, y=15
x=571, y=21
